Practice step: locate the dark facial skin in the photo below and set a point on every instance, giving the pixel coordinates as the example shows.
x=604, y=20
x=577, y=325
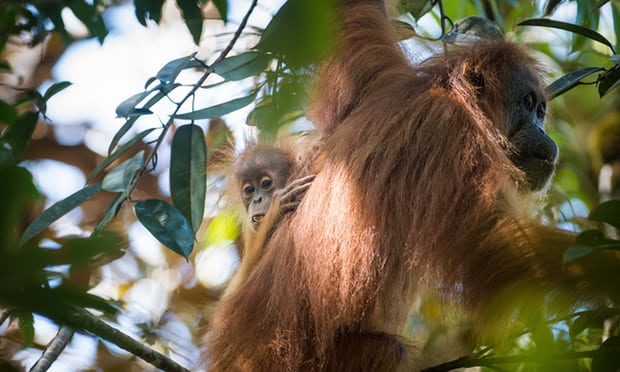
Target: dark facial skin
x=534, y=152
x=259, y=178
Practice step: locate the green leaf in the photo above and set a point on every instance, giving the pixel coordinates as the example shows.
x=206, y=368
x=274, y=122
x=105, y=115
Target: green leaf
x=167, y=224
x=26, y=327
x=590, y=34
x=18, y=135
x=172, y=69
x=224, y=226
x=58, y=210
x=570, y=80
x=8, y=113
x=188, y=178
x=218, y=110
x=241, y=66
x=609, y=80
x=55, y=88
x=193, y=17
x=113, y=156
x=148, y=9
x=121, y=178
x=222, y=8
x=608, y=212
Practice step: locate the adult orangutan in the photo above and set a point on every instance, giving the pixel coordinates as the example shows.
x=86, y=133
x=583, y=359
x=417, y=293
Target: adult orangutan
x=421, y=182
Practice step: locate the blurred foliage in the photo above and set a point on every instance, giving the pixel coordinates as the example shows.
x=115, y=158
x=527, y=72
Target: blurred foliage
x=580, y=53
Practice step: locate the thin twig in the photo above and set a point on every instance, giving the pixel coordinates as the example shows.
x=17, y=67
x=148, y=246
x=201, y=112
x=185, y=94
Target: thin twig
x=196, y=86
x=99, y=328
x=53, y=349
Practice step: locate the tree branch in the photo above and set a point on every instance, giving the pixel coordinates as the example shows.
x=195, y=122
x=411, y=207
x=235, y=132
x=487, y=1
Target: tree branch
x=53, y=349
x=467, y=361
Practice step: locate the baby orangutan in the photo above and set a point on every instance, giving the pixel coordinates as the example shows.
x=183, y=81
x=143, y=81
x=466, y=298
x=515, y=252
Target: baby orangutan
x=261, y=173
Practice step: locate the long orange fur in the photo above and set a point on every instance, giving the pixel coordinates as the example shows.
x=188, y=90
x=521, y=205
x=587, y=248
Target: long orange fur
x=413, y=188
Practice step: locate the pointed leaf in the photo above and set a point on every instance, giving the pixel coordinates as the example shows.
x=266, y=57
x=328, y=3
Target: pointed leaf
x=58, y=210
x=122, y=177
x=570, y=80
x=608, y=212
x=590, y=34
x=193, y=17
x=55, y=88
x=113, y=156
x=167, y=224
x=172, y=69
x=188, y=178
x=241, y=66
x=218, y=110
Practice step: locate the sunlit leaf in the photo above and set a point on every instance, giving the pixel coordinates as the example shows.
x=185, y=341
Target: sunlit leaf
x=188, y=177
x=608, y=212
x=569, y=81
x=590, y=34
x=121, y=178
x=167, y=224
x=58, y=210
x=241, y=66
x=218, y=110
x=55, y=88
x=172, y=69
x=224, y=226
x=113, y=156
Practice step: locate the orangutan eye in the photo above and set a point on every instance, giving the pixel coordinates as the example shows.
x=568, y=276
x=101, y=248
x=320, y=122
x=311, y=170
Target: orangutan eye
x=265, y=183
x=248, y=189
